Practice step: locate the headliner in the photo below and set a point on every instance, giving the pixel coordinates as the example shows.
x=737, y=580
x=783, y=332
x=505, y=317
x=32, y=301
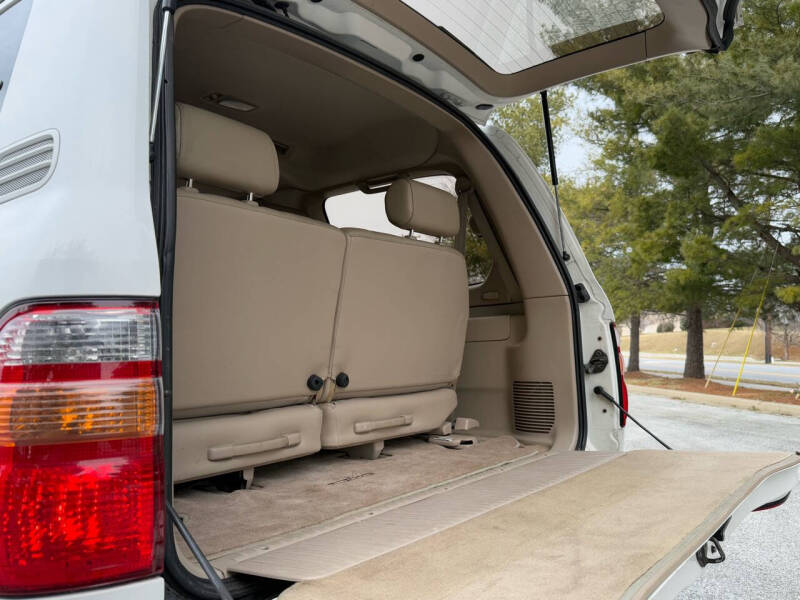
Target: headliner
x=337, y=131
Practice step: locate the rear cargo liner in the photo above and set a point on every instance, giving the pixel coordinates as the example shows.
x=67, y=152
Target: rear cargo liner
x=569, y=525
x=328, y=553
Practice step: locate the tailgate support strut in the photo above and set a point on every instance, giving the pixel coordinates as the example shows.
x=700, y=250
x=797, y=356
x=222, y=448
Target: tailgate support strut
x=601, y=392
x=551, y=153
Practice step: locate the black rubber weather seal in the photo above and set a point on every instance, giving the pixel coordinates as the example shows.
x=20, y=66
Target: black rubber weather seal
x=164, y=194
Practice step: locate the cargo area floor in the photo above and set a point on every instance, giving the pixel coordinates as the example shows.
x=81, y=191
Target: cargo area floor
x=289, y=496
x=565, y=525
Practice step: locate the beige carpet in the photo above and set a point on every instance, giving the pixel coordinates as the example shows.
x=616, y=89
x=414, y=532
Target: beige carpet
x=592, y=536
x=298, y=493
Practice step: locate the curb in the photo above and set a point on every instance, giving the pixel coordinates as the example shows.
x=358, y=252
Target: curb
x=773, y=408
x=776, y=386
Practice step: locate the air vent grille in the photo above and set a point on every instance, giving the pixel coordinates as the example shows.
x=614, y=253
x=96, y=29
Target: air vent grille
x=27, y=165
x=534, y=406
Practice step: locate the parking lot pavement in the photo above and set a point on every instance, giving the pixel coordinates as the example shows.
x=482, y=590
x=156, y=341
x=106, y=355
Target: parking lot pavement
x=764, y=551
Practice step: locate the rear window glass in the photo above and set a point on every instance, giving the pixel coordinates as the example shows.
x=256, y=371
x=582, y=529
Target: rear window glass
x=367, y=211
x=514, y=35
x=12, y=25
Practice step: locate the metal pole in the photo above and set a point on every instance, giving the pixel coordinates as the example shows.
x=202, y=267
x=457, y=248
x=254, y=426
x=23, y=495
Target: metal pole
x=725, y=343
x=755, y=323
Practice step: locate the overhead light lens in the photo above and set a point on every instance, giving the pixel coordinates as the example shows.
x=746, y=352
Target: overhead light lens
x=229, y=102
x=236, y=104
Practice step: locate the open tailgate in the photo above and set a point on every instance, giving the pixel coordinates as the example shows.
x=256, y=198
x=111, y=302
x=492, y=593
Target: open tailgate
x=480, y=55
x=567, y=525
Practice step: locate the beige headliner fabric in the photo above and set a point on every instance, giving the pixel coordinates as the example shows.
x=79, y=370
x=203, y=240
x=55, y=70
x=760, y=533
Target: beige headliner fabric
x=254, y=305
x=590, y=537
x=226, y=153
x=402, y=315
x=422, y=208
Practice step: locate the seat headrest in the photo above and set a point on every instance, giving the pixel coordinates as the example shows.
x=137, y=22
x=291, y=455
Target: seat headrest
x=422, y=208
x=224, y=153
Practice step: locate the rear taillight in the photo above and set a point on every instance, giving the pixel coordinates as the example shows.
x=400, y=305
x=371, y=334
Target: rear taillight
x=81, y=461
x=623, y=388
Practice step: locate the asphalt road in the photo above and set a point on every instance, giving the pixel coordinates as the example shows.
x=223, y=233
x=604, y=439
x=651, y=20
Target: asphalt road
x=764, y=551
x=783, y=375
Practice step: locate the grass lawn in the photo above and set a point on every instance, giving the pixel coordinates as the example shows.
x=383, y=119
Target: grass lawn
x=674, y=342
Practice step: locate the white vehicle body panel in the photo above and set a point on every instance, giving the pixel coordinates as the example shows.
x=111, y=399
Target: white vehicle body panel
x=89, y=230
x=596, y=314
x=147, y=589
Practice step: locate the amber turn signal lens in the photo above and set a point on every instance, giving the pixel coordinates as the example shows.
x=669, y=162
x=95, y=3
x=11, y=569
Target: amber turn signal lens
x=47, y=413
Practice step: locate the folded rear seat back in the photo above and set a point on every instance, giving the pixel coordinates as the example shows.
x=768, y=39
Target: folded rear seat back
x=255, y=295
x=400, y=324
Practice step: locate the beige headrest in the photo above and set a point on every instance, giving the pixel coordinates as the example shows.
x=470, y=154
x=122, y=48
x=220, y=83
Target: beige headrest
x=422, y=208
x=224, y=153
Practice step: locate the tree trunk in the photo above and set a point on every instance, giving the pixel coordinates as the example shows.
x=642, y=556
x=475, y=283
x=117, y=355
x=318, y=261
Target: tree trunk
x=633, y=357
x=767, y=340
x=694, y=366
x=785, y=342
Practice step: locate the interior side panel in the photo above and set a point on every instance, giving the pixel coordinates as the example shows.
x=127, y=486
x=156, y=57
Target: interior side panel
x=514, y=378
x=484, y=388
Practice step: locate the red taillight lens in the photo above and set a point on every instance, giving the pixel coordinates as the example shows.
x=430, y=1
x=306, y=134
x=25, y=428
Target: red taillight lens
x=81, y=460
x=623, y=418
x=623, y=388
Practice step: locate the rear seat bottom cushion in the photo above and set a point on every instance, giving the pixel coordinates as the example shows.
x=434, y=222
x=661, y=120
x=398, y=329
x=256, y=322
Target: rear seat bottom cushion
x=362, y=420
x=215, y=445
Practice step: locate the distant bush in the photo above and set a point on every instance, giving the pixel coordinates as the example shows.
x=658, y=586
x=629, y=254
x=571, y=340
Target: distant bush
x=665, y=327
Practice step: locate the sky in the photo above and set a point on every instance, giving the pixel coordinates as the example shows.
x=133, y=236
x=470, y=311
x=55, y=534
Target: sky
x=573, y=154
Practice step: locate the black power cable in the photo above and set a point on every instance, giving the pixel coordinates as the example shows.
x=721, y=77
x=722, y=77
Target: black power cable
x=224, y=594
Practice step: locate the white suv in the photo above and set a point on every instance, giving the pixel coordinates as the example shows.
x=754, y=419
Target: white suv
x=282, y=313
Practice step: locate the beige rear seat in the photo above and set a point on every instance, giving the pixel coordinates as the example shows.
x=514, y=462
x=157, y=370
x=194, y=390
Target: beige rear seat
x=264, y=299
x=400, y=324
x=254, y=304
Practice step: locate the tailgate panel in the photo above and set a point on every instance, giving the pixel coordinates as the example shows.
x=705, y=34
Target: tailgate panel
x=318, y=556
x=618, y=528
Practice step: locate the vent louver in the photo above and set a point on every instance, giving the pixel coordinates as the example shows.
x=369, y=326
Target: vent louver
x=27, y=165
x=534, y=406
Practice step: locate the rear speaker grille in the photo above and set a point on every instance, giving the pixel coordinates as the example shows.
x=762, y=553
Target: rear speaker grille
x=27, y=165
x=534, y=406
